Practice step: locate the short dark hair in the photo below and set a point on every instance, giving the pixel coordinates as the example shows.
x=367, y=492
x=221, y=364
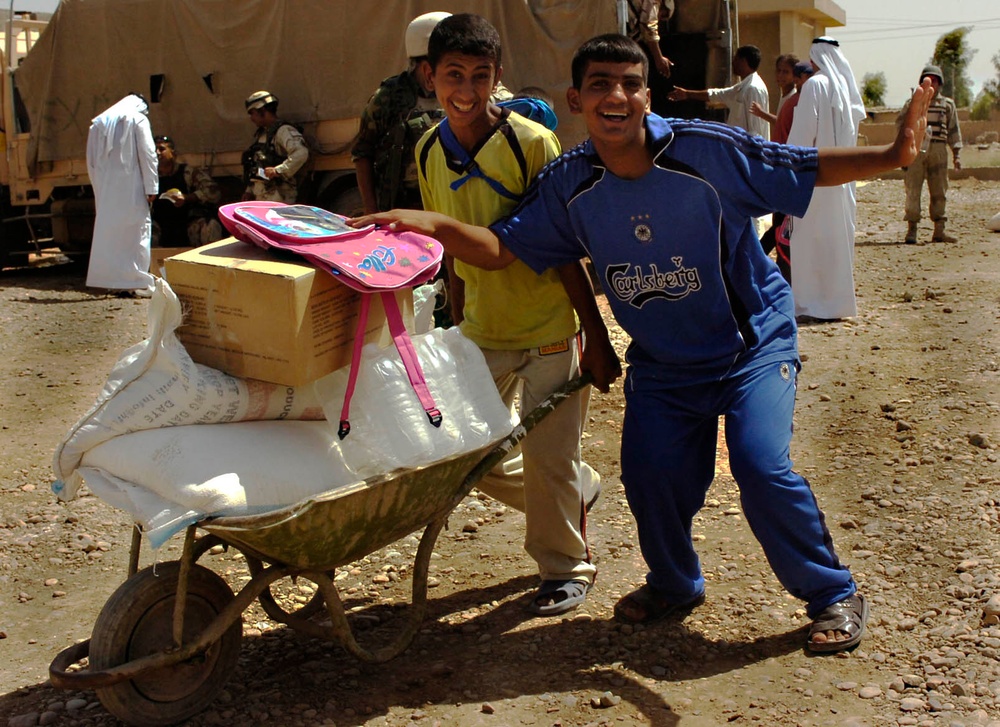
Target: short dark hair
x=608, y=48
x=465, y=33
x=751, y=54
x=789, y=59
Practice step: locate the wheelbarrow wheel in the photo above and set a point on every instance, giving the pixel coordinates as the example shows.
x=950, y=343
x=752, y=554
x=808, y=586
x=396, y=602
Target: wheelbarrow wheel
x=138, y=621
x=270, y=604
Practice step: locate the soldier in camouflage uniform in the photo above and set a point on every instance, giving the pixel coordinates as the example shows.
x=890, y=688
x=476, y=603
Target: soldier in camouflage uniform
x=186, y=212
x=277, y=154
x=399, y=112
x=932, y=161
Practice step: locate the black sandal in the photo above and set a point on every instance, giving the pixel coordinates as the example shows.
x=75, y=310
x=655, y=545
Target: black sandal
x=848, y=616
x=652, y=606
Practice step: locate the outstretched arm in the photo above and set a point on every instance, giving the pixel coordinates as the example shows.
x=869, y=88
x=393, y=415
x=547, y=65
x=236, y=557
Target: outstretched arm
x=474, y=245
x=757, y=110
x=683, y=94
x=839, y=165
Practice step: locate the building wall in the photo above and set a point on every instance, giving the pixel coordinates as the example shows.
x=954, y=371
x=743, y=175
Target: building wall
x=785, y=26
x=874, y=133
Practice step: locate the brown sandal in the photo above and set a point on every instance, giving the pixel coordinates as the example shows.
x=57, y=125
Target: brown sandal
x=644, y=605
x=848, y=616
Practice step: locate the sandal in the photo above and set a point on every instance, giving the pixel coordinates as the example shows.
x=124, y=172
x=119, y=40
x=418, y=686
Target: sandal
x=555, y=597
x=644, y=605
x=848, y=616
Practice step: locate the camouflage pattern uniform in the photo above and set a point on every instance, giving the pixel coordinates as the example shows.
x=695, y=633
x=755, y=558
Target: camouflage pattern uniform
x=644, y=18
x=283, y=147
x=396, y=116
x=932, y=161
x=194, y=223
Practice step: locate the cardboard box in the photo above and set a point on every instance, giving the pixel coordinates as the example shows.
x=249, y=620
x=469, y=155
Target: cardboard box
x=158, y=254
x=256, y=315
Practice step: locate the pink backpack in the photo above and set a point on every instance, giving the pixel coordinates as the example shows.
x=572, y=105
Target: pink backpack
x=370, y=260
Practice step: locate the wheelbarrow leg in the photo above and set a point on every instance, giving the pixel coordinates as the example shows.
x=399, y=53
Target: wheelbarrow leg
x=415, y=615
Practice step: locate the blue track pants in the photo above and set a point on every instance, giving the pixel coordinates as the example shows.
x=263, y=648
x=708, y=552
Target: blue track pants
x=668, y=462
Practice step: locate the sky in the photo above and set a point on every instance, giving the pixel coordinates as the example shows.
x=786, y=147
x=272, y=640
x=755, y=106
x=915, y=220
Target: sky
x=895, y=37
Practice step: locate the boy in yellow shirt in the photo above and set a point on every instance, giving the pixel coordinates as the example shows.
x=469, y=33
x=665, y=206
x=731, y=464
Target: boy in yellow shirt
x=475, y=166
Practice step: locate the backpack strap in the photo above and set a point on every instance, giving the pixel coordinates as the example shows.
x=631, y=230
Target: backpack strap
x=407, y=355
x=352, y=376
x=471, y=168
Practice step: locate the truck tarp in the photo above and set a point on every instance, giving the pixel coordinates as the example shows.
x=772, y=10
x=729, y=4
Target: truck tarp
x=322, y=58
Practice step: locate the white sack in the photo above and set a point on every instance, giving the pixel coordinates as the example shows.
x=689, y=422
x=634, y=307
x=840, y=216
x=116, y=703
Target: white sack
x=155, y=384
x=170, y=478
x=993, y=224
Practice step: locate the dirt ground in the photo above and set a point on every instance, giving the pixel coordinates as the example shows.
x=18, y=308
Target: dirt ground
x=896, y=428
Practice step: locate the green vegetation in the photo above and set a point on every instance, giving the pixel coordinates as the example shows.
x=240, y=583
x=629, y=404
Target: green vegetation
x=873, y=88
x=953, y=54
x=992, y=87
x=982, y=106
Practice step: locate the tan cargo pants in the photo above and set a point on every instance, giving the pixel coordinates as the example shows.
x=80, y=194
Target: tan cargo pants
x=931, y=165
x=550, y=488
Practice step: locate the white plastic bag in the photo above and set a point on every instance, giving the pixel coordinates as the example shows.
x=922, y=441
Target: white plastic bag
x=389, y=428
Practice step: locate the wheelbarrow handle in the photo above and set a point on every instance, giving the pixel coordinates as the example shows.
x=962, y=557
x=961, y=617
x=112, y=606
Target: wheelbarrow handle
x=521, y=429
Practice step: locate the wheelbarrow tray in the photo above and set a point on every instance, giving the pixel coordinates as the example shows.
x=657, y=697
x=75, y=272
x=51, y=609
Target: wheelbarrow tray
x=340, y=526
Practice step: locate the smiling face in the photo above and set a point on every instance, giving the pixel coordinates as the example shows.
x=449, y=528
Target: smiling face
x=613, y=100
x=463, y=85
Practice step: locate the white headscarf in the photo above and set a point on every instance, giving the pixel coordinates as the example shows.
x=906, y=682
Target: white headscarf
x=848, y=108
x=119, y=121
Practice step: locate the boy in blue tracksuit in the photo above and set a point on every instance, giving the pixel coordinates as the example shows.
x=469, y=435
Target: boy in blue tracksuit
x=665, y=211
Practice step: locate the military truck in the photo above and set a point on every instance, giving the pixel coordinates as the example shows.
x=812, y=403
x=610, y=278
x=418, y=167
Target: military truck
x=197, y=60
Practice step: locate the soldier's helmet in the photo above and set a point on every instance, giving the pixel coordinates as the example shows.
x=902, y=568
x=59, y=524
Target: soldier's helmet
x=260, y=99
x=932, y=70
x=418, y=32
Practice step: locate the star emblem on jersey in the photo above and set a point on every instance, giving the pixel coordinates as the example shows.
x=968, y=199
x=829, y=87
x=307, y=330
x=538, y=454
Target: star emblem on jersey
x=643, y=232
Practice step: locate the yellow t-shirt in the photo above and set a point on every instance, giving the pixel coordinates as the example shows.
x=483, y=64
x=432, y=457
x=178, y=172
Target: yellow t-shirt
x=513, y=308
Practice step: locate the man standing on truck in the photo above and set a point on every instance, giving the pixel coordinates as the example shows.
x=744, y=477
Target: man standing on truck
x=740, y=97
x=121, y=162
x=277, y=154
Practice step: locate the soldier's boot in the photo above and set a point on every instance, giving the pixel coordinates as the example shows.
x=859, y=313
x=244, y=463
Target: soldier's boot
x=940, y=235
x=911, y=233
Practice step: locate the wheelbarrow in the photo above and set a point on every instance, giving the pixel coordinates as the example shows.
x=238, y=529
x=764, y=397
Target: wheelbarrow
x=169, y=636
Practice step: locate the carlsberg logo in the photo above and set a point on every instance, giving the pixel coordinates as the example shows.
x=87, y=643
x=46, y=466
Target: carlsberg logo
x=636, y=285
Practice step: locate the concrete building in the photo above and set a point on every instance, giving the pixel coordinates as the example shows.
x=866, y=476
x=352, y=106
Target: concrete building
x=784, y=26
